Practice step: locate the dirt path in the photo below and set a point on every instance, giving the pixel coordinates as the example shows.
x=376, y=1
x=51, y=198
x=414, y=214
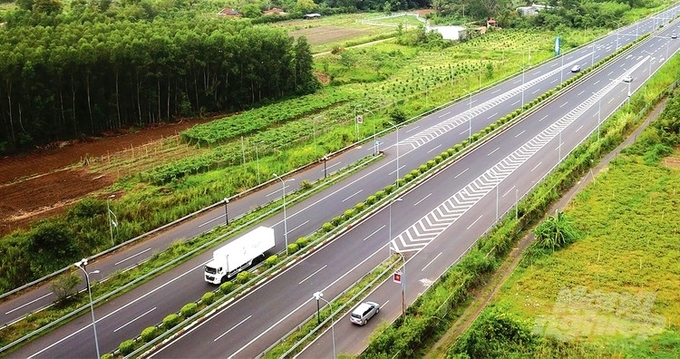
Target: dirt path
x=487, y=293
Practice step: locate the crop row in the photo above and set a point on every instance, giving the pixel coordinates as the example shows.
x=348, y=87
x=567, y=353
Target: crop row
x=220, y=131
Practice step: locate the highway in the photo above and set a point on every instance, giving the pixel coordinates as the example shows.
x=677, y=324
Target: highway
x=475, y=191
x=329, y=269
x=459, y=219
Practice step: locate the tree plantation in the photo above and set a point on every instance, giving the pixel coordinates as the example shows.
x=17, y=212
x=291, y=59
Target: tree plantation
x=78, y=79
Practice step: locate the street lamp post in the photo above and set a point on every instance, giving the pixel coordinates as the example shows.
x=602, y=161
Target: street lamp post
x=559, y=146
x=257, y=160
x=561, y=68
x=319, y=296
x=109, y=212
x=82, y=265
x=397, y=146
x=522, y=87
x=226, y=210
x=285, y=219
x=516, y=208
x=325, y=159
x=390, y=224
x=403, y=285
x=498, y=184
x=469, y=93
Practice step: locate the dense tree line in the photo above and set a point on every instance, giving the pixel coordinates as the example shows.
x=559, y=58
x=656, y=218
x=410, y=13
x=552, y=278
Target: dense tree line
x=81, y=78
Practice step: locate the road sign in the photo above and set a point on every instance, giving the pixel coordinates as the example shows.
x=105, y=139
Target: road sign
x=397, y=277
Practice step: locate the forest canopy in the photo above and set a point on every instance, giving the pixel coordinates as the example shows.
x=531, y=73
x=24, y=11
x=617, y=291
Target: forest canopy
x=82, y=78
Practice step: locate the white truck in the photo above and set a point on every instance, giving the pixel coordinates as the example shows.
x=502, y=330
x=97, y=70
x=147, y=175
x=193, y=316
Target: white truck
x=238, y=254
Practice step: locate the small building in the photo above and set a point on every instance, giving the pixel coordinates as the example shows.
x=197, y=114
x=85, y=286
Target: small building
x=311, y=16
x=275, y=11
x=531, y=10
x=229, y=12
x=450, y=32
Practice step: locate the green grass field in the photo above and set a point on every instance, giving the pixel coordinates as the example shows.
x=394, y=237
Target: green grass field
x=617, y=287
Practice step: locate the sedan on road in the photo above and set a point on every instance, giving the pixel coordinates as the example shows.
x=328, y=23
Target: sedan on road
x=361, y=314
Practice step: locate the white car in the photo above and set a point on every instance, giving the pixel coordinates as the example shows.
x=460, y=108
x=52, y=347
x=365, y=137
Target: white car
x=361, y=314
x=576, y=68
x=628, y=79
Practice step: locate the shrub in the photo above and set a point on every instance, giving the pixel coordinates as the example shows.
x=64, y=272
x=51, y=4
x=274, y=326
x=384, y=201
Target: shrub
x=408, y=178
x=107, y=356
x=126, y=347
x=348, y=213
x=302, y=241
x=292, y=248
x=438, y=159
x=451, y=151
x=444, y=155
x=208, y=298
x=389, y=189
x=336, y=221
x=271, y=261
x=171, y=320
x=65, y=285
x=360, y=206
x=431, y=164
x=380, y=195
x=401, y=182
x=243, y=277
x=370, y=200
x=226, y=287
x=327, y=227
x=305, y=184
x=149, y=333
x=188, y=310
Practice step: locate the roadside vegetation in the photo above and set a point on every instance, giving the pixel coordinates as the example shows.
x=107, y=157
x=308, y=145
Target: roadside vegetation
x=612, y=293
x=277, y=139
x=392, y=81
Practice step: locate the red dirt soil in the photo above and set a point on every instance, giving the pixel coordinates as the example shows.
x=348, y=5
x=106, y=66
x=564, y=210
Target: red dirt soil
x=39, y=184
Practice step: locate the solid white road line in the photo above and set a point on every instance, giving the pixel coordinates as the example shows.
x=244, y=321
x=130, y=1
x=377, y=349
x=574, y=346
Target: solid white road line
x=535, y=167
x=511, y=188
x=132, y=256
x=412, y=129
x=29, y=303
x=296, y=227
x=376, y=231
x=519, y=134
x=277, y=190
x=424, y=198
x=492, y=152
x=473, y=223
x=315, y=272
x=130, y=322
x=458, y=175
x=356, y=193
x=232, y=328
x=434, y=149
x=430, y=262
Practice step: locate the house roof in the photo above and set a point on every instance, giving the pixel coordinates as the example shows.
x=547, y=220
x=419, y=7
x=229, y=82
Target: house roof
x=229, y=12
x=274, y=10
